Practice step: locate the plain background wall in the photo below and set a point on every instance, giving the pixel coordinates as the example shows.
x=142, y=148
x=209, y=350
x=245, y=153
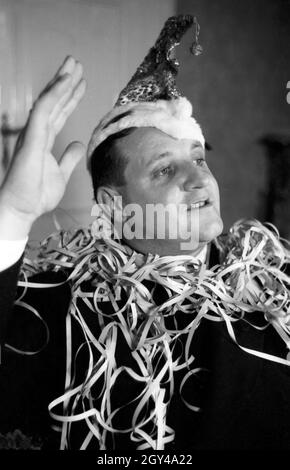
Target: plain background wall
x=238, y=89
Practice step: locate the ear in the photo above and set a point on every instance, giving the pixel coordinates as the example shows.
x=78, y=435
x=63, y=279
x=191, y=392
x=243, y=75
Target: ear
x=109, y=201
x=106, y=195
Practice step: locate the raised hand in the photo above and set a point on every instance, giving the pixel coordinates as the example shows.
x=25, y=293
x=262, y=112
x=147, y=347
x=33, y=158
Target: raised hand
x=35, y=182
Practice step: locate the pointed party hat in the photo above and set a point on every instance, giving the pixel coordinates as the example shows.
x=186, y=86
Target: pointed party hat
x=151, y=98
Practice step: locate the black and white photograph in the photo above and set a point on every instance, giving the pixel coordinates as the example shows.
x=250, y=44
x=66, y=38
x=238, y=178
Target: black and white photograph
x=144, y=228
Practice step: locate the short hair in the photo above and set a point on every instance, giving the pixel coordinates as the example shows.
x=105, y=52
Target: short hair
x=108, y=164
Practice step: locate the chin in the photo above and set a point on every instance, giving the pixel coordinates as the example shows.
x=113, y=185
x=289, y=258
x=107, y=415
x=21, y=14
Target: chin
x=210, y=231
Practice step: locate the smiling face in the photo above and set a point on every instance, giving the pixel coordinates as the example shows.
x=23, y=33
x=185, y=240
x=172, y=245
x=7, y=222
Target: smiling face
x=167, y=171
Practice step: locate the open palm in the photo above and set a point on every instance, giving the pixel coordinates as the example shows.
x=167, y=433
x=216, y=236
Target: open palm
x=35, y=182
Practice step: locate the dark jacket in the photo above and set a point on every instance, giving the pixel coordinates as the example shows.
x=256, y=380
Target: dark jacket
x=245, y=400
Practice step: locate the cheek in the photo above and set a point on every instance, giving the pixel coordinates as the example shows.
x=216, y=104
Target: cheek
x=171, y=195
x=134, y=188
x=215, y=191
x=143, y=190
x=163, y=194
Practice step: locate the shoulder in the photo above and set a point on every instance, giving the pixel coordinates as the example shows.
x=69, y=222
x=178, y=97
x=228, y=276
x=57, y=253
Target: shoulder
x=40, y=307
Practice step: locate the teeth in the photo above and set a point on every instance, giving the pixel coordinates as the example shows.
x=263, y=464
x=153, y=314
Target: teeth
x=198, y=204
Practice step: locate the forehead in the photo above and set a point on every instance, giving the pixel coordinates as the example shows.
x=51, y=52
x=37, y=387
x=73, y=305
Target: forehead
x=146, y=142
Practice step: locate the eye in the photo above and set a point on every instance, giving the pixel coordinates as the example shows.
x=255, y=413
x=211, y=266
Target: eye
x=199, y=161
x=165, y=171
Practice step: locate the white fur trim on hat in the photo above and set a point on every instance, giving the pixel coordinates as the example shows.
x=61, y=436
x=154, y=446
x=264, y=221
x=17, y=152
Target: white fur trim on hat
x=173, y=117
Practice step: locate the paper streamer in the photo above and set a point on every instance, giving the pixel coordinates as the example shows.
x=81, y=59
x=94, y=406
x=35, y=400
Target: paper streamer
x=250, y=278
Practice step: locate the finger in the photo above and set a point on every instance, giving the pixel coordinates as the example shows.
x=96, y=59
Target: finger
x=48, y=100
x=76, y=78
x=70, y=158
x=64, y=73
x=77, y=73
x=19, y=140
x=76, y=97
x=67, y=66
x=70, y=106
x=37, y=127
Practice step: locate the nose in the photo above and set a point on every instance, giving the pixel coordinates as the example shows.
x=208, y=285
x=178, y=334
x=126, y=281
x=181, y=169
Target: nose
x=195, y=178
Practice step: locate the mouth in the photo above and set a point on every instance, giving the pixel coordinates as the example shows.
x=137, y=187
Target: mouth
x=199, y=204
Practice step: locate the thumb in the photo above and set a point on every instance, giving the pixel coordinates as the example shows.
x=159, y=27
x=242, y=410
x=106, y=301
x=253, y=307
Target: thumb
x=70, y=158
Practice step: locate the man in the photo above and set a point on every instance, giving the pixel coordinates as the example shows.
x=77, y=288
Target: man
x=140, y=344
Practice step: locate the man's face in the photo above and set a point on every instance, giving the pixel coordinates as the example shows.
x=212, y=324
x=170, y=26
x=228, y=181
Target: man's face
x=164, y=170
